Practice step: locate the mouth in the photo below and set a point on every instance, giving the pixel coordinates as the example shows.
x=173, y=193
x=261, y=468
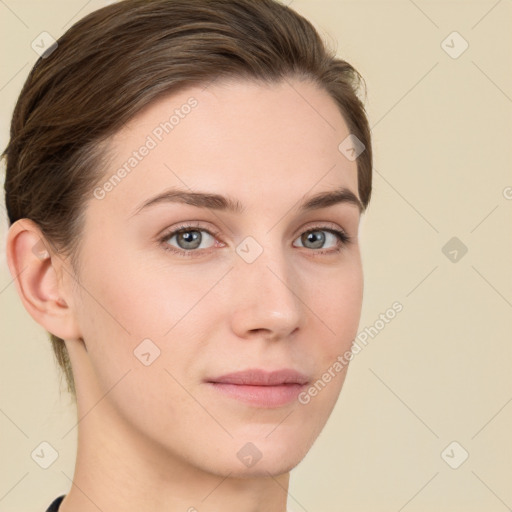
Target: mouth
x=260, y=388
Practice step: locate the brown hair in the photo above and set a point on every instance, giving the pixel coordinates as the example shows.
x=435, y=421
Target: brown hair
x=120, y=58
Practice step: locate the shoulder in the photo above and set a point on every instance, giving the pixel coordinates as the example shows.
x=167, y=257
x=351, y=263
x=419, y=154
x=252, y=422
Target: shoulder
x=54, y=506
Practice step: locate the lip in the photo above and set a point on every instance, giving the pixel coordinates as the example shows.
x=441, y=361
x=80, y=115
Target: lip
x=261, y=388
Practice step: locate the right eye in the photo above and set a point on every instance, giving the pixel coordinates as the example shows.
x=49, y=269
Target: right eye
x=189, y=239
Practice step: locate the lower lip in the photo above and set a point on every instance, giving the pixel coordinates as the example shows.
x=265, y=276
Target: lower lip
x=261, y=396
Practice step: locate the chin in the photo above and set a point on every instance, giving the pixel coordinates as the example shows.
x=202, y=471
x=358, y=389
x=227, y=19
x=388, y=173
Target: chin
x=261, y=456
x=271, y=465
x=249, y=456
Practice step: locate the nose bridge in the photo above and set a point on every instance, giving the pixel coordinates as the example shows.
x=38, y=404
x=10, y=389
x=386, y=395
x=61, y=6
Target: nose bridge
x=266, y=296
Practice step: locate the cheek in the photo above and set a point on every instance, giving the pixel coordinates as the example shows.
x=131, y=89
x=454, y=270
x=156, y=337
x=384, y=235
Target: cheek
x=136, y=301
x=124, y=315
x=338, y=307
x=115, y=312
x=338, y=303
x=127, y=303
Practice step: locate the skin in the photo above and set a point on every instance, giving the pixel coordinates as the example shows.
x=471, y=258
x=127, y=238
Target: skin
x=157, y=437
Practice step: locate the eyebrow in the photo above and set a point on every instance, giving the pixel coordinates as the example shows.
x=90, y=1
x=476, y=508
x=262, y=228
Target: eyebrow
x=227, y=203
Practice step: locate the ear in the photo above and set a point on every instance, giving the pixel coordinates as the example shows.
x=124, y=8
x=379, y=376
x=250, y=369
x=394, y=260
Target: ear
x=39, y=273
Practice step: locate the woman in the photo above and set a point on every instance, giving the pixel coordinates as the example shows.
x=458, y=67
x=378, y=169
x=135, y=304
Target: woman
x=185, y=183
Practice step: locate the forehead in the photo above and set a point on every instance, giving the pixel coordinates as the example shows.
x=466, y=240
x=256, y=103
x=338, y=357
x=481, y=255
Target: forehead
x=261, y=143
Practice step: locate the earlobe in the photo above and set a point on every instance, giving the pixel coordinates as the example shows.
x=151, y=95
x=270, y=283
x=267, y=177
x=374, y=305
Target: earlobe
x=35, y=270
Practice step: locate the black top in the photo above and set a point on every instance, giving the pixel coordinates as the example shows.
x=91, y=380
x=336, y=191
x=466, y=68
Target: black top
x=54, y=507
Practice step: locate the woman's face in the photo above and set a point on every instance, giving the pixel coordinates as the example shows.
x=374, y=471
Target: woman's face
x=263, y=287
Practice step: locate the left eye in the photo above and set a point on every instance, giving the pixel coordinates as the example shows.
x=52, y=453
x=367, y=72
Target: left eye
x=317, y=238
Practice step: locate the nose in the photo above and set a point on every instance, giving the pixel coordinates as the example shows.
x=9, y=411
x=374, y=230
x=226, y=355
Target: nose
x=266, y=297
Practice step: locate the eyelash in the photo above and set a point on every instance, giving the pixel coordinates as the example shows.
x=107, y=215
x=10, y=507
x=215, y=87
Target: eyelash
x=342, y=237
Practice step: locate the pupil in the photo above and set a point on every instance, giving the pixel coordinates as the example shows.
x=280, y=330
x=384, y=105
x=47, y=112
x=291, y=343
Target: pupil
x=317, y=238
x=190, y=237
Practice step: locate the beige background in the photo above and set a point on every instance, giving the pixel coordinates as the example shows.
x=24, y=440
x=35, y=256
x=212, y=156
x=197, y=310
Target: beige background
x=440, y=370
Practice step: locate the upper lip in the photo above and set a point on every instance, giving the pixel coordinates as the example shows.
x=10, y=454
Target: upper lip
x=260, y=377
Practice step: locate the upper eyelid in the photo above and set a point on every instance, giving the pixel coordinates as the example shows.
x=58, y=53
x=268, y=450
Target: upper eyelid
x=166, y=233
x=215, y=232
